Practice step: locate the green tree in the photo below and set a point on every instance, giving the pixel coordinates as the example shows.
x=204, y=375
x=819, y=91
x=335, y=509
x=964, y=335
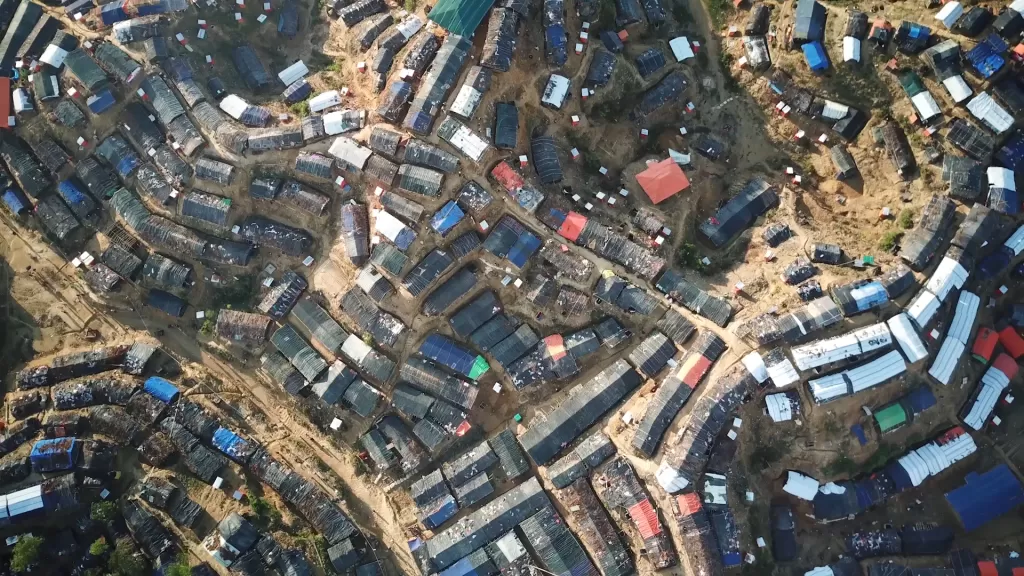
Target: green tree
x=125, y=562
x=26, y=553
x=99, y=547
x=410, y=6
x=180, y=567
x=890, y=239
x=103, y=512
x=266, y=515
x=906, y=219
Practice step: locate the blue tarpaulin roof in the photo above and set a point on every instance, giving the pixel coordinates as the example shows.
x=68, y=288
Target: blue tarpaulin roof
x=1011, y=155
x=113, y=12
x=161, y=389
x=443, y=350
x=554, y=37
x=986, y=496
x=921, y=399
x=15, y=201
x=987, y=57
x=166, y=302
x=447, y=218
x=446, y=510
x=53, y=454
x=814, y=53
x=231, y=444
x=524, y=247
x=100, y=103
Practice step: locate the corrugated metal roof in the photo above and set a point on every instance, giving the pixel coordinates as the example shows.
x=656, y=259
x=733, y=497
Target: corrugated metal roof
x=318, y=322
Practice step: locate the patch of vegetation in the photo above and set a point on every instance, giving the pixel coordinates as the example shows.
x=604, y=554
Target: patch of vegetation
x=606, y=16
x=726, y=61
x=889, y=240
x=906, y=219
x=300, y=109
x=882, y=455
x=615, y=107
x=209, y=324
x=768, y=453
x=125, y=561
x=689, y=257
x=843, y=465
x=681, y=13
x=368, y=339
x=832, y=425
x=862, y=87
x=99, y=547
x=180, y=567
x=315, y=547
x=103, y=512
x=410, y=6
x=237, y=296
x=720, y=10
x=265, y=515
x=318, y=59
x=26, y=553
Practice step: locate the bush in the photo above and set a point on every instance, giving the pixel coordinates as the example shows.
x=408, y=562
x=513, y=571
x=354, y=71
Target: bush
x=410, y=6
x=99, y=547
x=906, y=219
x=125, y=562
x=266, y=515
x=300, y=109
x=180, y=567
x=26, y=553
x=689, y=257
x=889, y=240
x=103, y=512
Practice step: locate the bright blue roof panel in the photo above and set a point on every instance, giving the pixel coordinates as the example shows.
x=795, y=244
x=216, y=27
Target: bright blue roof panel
x=985, y=497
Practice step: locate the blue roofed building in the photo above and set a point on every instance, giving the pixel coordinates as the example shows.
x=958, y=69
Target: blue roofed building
x=986, y=496
x=815, y=55
x=161, y=389
x=100, y=103
x=447, y=218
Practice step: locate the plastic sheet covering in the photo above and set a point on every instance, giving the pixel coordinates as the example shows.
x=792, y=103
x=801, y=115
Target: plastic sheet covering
x=23, y=166
x=372, y=28
x=115, y=423
x=50, y=154
x=266, y=232
x=145, y=408
x=500, y=41
x=384, y=327
x=233, y=445
x=156, y=449
x=436, y=84
x=669, y=89
x=147, y=531
x=423, y=154
x=556, y=547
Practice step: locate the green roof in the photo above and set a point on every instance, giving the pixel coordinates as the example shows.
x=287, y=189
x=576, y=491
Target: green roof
x=480, y=367
x=460, y=17
x=891, y=417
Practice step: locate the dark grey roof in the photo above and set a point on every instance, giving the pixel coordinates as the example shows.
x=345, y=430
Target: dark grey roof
x=500, y=41
x=476, y=460
x=121, y=261
x=545, y=159
x=674, y=325
x=423, y=154
x=381, y=169
x=362, y=398
x=437, y=83
x=318, y=322
x=810, y=22
x=149, y=181
x=456, y=286
x=55, y=216
x=464, y=244
x=23, y=166
x=977, y=143
x=474, y=314
x=506, y=125
x=355, y=231
x=116, y=62
x=966, y=177
x=384, y=327
x=426, y=271
x=67, y=113
x=166, y=272
x=386, y=257
x=627, y=12
x=305, y=359
x=411, y=402
x=668, y=89
x=979, y=228
x=409, y=210
x=747, y=202
x=140, y=126
x=85, y=70
x=510, y=454
x=473, y=491
x=428, y=489
x=601, y=68
x=314, y=165
x=250, y=68
x=376, y=446
x=358, y=11
x=585, y=404
x=99, y=179
x=493, y=331
x=394, y=100
x=397, y=432
x=649, y=62
x=373, y=28
x=427, y=376
x=652, y=354
x=556, y=547
x=430, y=434
x=214, y=170
x=693, y=298
x=581, y=343
x=384, y=141
x=163, y=100
x=276, y=138
x=590, y=452
x=155, y=48
x=919, y=245
x=266, y=232
x=421, y=53
x=515, y=345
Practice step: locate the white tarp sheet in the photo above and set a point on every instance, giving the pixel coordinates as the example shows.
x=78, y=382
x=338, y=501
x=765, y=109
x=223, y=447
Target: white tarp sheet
x=1016, y=241
x=556, y=91
x=907, y=338
x=924, y=306
x=851, y=49
x=681, y=48
x=388, y=226
x=926, y=106
x=754, y=364
x=949, y=275
x=293, y=73
x=324, y=100
x=963, y=320
x=801, y=486
x=992, y=385
x=780, y=408
x=957, y=88
x=984, y=108
x=349, y=151
x=949, y=14
x=946, y=360
x=999, y=177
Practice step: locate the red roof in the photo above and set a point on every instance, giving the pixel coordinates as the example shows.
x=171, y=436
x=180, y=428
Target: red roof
x=663, y=180
x=645, y=518
x=987, y=568
x=555, y=346
x=693, y=369
x=5, y=102
x=985, y=343
x=689, y=504
x=507, y=177
x=572, y=226
x=1012, y=342
x=1017, y=572
x=1006, y=365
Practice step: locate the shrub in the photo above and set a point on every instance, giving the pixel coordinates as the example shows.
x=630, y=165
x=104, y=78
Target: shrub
x=906, y=219
x=889, y=240
x=125, y=562
x=99, y=547
x=410, y=6
x=103, y=512
x=26, y=553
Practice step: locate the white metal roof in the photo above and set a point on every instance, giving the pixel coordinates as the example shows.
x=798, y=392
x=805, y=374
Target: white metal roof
x=877, y=371
x=715, y=487
x=933, y=458
x=355, y=348
x=367, y=278
x=324, y=100
x=926, y=106
x=957, y=88
x=349, y=151
x=992, y=385
x=820, y=571
x=1001, y=178
x=835, y=110
x=681, y=48
x=949, y=14
x=25, y=500
x=963, y=320
x=801, y=486
x=906, y=336
x=233, y=106
x=873, y=337
x=556, y=91
x=468, y=142
x=341, y=121
x=22, y=101
x=670, y=479
x=950, y=274
x=1018, y=6
x=754, y=364
x=828, y=387
x=946, y=360
x=410, y=26
x=924, y=306
x=293, y=73
x=466, y=102
x=780, y=409
x=851, y=49
x=783, y=373
x=822, y=352
x=54, y=56
x=1016, y=241
x=388, y=226
x=984, y=108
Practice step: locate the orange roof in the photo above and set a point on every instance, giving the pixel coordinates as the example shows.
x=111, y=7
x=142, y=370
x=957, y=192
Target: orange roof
x=985, y=343
x=987, y=568
x=1019, y=49
x=1017, y=572
x=1012, y=342
x=689, y=503
x=645, y=518
x=1006, y=365
x=663, y=180
x=555, y=346
x=572, y=226
x=5, y=102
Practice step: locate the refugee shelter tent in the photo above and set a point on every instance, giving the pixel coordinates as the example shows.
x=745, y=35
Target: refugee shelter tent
x=662, y=180
x=810, y=22
x=250, y=68
x=986, y=496
x=545, y=159
x=649, y=62
x=814, y=54
x=500, y=41
x=748, y=202
x=974, y=21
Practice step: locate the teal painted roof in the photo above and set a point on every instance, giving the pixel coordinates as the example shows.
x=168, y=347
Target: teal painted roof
x=460, y=17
